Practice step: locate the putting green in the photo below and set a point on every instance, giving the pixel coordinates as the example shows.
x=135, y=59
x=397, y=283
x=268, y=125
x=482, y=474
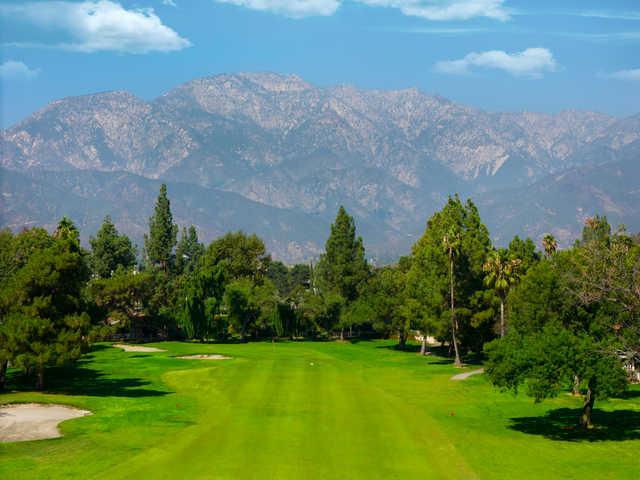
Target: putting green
x=311, y=410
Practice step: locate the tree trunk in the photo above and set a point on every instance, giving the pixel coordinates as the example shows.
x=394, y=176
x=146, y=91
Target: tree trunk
x=40, y=378
x=457, y=362
x=501, y=318
x=342, y=334
x=587, y=409
x=3, y=373
x=402, y=340
x=423, y=348
x=576, y=385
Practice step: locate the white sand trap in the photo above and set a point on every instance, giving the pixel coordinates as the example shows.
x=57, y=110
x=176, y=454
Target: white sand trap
x=137, y=348
x=33, y=421
x=214, y=356
x=465, y=375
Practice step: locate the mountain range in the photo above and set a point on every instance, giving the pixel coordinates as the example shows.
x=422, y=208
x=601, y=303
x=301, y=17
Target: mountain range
x=276, y=155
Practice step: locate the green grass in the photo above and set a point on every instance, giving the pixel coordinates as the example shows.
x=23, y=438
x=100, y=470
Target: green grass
x=311, y=411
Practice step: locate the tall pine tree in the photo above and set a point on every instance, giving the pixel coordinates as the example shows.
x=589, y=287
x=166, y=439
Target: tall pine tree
x=342, y=270
x=158, y=245
x=343, y=267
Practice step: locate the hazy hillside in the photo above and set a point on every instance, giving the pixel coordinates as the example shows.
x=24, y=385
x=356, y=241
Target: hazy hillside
x=277, y=155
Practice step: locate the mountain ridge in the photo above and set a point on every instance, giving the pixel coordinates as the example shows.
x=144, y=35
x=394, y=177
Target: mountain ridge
x=390, y=156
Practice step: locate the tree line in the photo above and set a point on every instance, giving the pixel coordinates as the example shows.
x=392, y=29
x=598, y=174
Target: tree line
x=547, y=320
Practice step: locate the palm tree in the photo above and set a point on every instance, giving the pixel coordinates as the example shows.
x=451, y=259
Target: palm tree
x=451, y=244
x=502, y=274
x=549, y=244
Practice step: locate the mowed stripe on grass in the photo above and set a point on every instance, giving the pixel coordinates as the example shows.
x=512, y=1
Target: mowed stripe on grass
x=307, y=410
x=289, y=416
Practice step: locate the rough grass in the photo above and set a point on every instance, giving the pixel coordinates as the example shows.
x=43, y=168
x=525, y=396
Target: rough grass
x=312, y=411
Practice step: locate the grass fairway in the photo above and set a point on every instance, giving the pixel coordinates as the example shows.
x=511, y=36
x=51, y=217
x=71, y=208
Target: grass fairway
x=311, y=411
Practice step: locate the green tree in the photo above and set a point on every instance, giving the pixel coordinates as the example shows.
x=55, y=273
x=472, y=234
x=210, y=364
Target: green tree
x=124, y=299
x=110, y=250
x=343, y=267
x=66, y=230
x=161, y=240
x=525, y=251
x=44, y=320
x=243, y=256
x=549, y=360
x=596, y=228
x=342, y=270
x=502, y=273
x=15, y=252
x=448, y=259
x=389, y=306
x=242, y=310
x=575, y=320
x=188, y=251
x=279, y=274
x=203, y=293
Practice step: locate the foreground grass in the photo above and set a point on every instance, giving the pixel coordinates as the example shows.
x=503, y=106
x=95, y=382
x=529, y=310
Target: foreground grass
x=311, y=410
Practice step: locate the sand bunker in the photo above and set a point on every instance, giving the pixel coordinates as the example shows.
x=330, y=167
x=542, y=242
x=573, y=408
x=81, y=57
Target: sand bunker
x=33, y=421
x=137, y=348
x=214, y=356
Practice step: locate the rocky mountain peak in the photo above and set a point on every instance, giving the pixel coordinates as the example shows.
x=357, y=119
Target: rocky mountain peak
x=389, y=156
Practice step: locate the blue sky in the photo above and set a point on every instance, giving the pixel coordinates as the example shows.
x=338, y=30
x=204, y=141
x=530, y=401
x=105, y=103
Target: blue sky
x=508, y=55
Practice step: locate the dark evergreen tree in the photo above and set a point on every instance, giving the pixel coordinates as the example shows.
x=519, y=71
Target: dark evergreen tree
x=161, y=240
x=525, y=251
x=279, y=274
x=44, y=322
x=342, y=269
x=15, y=252
x=188, y=251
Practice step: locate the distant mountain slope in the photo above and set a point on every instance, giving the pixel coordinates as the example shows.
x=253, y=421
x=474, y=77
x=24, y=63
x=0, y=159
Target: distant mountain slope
x=560, y=203
x=41, y=198
x=391, y=157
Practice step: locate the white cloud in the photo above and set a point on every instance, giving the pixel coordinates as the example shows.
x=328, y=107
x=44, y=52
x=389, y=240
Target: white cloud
x=290, y=8
x=531, y=62
x=99, y=26
x=427, y=9
x=169, y=3
x=13, y=69
x=633, y=75
x=454, y=9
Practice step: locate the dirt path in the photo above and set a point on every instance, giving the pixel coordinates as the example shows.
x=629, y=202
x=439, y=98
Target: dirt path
x=465, y=375
x=33, y=421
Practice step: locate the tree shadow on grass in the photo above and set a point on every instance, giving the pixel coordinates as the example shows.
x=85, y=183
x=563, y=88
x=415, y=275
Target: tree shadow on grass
x=562, y=424
x=629, y=394
x=437, y=355
x=78, y=380
x=408, y=348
